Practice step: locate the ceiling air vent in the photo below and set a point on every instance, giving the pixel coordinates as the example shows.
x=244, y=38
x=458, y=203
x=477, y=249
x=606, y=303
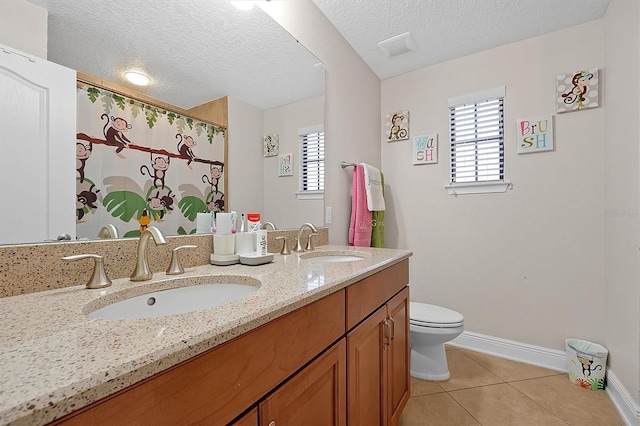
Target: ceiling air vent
x=398, y=45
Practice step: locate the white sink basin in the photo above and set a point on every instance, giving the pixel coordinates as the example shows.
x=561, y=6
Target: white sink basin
x=328, y=256
x=173, y=301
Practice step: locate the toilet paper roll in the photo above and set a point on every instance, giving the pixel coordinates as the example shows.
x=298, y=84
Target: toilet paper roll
x=223, y=224
x=245, y=242
x=203, y=223
x=224, y=244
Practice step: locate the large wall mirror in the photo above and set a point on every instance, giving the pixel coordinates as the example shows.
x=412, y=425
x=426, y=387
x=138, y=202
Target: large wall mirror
x=196, y=52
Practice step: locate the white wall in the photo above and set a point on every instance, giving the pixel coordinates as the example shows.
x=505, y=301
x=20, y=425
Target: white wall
x=352, y=104
x=526, y=264
x=622, y=192
x=280, y=204
x=23, y=26
x=245, y=154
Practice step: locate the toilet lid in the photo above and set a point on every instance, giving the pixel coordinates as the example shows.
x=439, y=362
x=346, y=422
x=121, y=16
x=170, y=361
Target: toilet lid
x=432, y=315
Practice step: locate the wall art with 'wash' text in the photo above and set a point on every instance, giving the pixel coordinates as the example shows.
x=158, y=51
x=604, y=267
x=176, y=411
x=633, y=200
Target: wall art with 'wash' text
x=535, y=134
x=577, y=90
x=424, y=149
x=140, y=165
x=397, y=126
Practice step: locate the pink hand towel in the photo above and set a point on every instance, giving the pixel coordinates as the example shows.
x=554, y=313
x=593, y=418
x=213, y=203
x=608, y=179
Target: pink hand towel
x=360, y=224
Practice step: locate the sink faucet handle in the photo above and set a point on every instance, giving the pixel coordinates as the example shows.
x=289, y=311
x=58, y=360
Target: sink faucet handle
x=310, y=241
x=285, y=247
x=175, y=268
x=99, y=278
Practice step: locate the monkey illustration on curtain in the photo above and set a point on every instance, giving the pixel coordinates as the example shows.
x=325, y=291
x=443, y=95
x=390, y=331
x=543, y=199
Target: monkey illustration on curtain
x=215, y=171
x=185, y=148
x=83, y=152
x=160, y=165
x=114, y=135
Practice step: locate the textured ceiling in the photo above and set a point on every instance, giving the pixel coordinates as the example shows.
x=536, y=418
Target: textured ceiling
x=194, y=50
x=448, y=29
x=199, y=50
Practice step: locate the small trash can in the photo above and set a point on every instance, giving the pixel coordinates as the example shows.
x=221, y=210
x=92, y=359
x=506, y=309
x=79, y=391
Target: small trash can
x=587, y=363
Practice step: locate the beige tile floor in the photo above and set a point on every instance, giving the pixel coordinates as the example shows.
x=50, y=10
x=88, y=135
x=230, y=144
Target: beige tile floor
x=491, y=391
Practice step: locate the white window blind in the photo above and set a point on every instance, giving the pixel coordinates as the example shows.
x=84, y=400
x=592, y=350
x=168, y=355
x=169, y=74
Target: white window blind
x=312, y=161
x=477, y=141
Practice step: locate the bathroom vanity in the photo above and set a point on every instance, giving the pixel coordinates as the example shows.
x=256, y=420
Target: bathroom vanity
x=320, y=342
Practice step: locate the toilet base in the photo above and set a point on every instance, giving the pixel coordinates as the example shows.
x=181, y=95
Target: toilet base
x=430, y=363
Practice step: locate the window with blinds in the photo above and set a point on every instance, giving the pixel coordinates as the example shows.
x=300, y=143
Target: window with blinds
x=312, y=161
x=477, y=141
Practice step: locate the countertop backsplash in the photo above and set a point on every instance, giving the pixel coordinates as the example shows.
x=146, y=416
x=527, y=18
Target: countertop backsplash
x=29, y=268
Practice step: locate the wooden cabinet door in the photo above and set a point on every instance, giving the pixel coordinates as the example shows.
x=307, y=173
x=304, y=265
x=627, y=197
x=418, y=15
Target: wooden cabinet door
x=398, y=355
x=249, y=419
x=366, y=371
x=315, y=396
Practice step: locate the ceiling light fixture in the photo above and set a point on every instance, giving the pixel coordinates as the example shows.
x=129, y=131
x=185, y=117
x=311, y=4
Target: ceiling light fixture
x=137, y=78
x=243, y=4
x=398, y=45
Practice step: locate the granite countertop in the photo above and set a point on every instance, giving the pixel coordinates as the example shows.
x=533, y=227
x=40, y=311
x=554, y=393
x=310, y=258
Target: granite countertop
x=55, y=360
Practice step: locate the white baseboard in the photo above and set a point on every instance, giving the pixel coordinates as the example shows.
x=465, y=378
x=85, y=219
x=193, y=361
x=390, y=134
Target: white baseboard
x=628, y=408
x=547, y=358
x=515, y=351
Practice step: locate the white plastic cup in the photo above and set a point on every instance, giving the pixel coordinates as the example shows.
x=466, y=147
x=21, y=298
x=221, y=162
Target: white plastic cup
x=223, y=224
x=245, y=242
x=203, y=223
x=224, y=244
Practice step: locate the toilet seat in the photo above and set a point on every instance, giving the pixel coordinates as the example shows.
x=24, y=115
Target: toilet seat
x=425, y=315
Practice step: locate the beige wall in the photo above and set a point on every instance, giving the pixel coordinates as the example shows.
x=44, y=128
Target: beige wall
x=526, y=264
x=280, y=204
x=246, y=190
x=622, y=192
x=352, y=104
x=23, y=26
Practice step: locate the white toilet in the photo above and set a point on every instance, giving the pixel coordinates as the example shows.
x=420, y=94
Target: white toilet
x=431, y=327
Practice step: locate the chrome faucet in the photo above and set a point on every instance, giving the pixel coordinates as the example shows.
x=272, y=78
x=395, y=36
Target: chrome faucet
x=314, y=230
x=142, y=271
x=108, y=231
x=268, y=224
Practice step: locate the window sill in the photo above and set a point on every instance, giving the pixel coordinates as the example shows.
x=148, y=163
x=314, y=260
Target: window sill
x=477, y=188
x=310, y=195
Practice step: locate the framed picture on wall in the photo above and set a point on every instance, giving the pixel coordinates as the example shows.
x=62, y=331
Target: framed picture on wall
x=397, y=126
x=285, y=165
x=271, y=145
x=577, y=90
x=424, y=149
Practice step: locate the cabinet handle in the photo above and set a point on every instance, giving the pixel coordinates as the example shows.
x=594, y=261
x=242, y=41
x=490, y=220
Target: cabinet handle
x=272, y=423
x=387, y=333
x=393, y=328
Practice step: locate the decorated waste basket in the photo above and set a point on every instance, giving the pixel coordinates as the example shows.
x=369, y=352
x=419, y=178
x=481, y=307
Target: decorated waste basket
x=587, y=363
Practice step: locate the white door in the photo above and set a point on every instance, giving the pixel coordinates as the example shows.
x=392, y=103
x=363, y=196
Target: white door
x=37, y=148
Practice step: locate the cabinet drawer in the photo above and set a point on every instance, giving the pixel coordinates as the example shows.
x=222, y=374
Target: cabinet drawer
x=218, y=385
x=367, y=295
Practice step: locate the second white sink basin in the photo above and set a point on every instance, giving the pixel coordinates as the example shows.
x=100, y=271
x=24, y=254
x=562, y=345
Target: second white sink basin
x=173, y=301
x=334, y=256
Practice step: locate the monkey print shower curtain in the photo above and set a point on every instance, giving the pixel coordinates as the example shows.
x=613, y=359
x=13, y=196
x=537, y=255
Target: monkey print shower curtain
x=139, y=165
